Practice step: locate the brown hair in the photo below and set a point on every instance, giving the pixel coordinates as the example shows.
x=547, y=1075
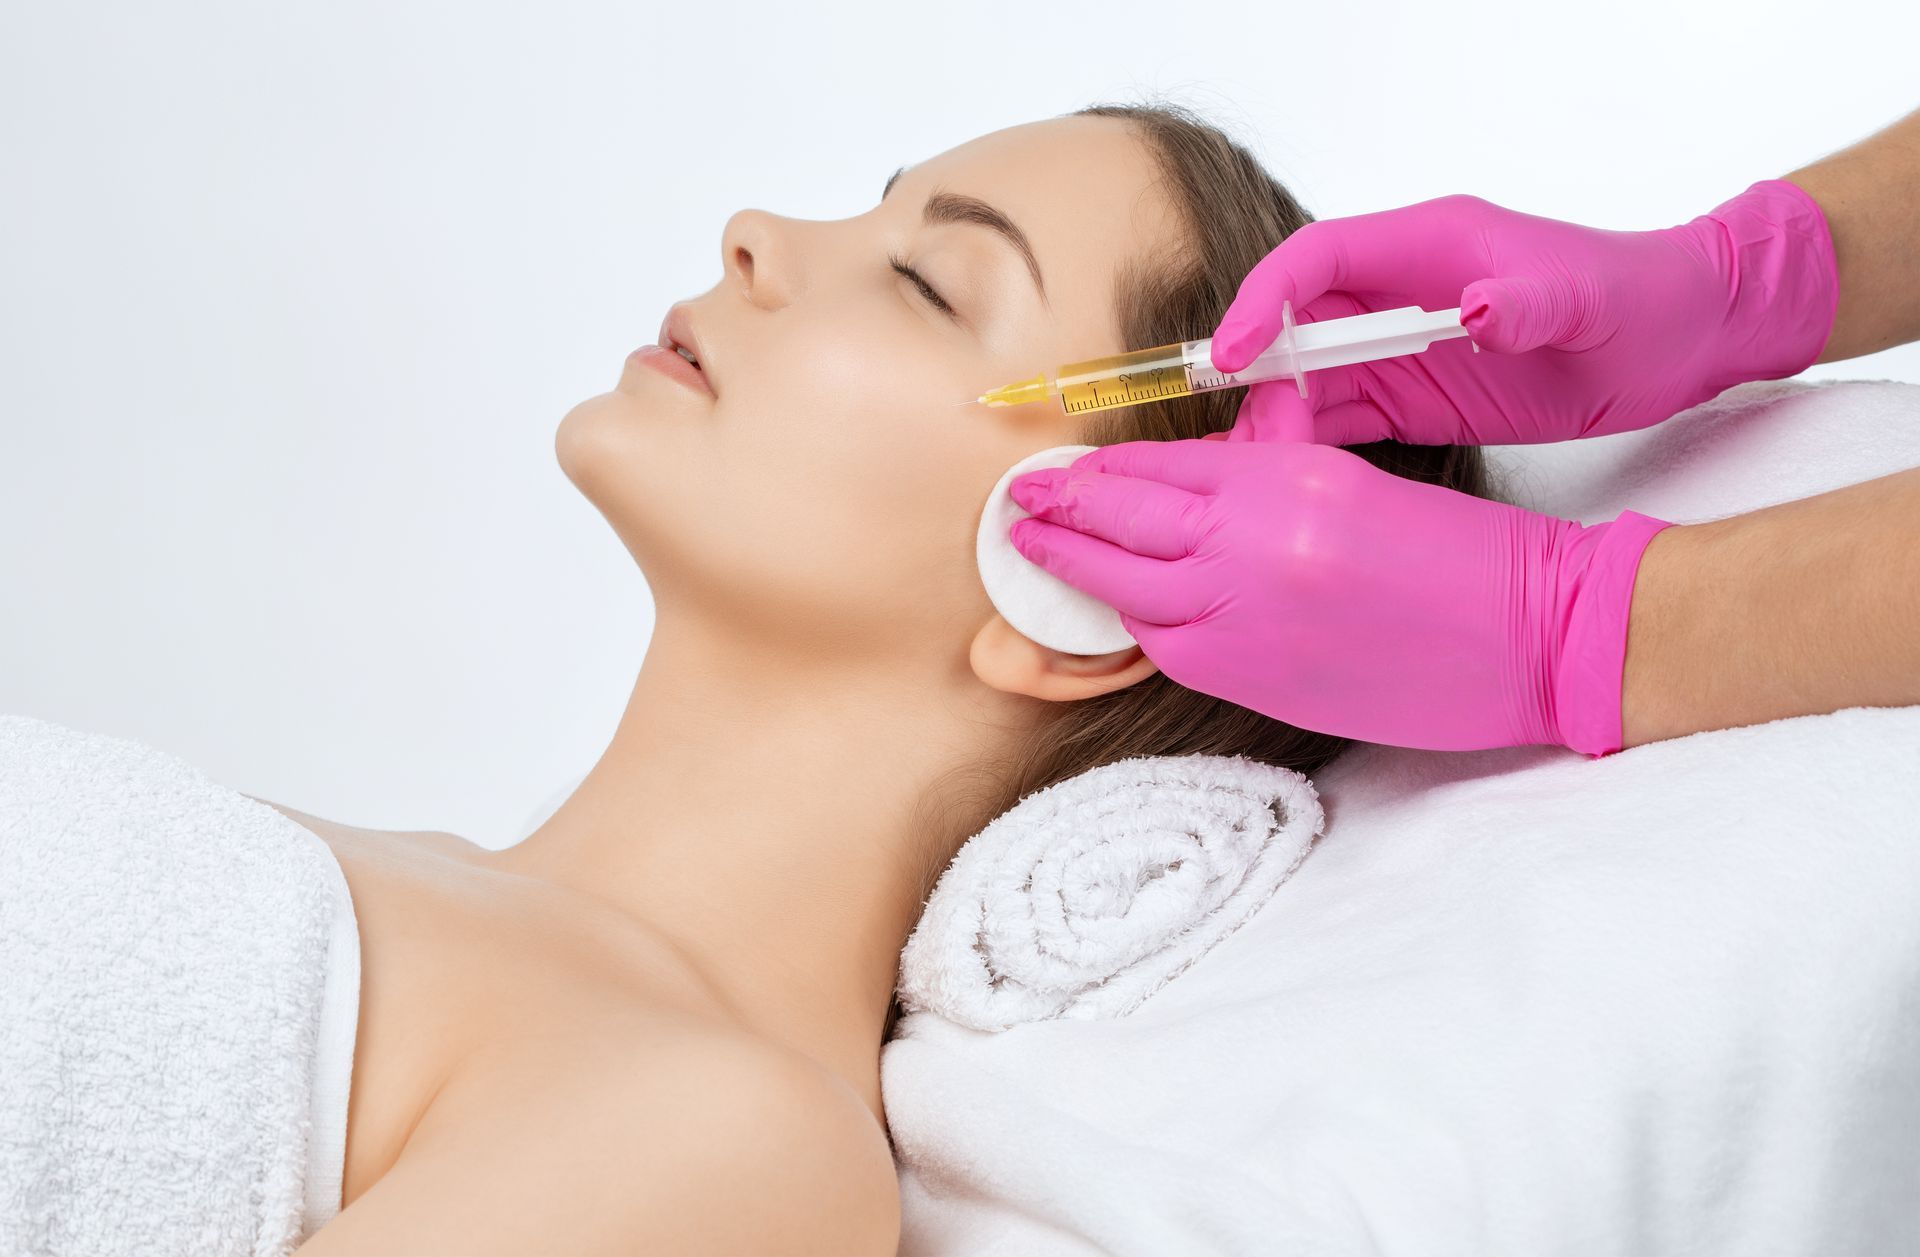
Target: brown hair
x=1235, y=214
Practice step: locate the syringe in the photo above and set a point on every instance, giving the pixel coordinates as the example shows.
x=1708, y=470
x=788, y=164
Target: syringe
x=1148, y=375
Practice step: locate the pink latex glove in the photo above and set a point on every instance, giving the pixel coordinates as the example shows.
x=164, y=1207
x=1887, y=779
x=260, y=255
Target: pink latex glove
x=1301, y=581
x=1627, y=328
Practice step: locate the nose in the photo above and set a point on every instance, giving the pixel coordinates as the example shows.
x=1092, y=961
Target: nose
x=755, y=254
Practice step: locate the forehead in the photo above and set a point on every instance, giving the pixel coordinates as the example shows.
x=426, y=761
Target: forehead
x=1085, y=190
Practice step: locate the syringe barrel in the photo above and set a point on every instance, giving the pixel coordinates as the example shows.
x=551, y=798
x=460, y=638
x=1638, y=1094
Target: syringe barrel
x=1128, y=379
x=1278, y=361
x=1333, y=343
x=1141, y=362
x=1168, y=371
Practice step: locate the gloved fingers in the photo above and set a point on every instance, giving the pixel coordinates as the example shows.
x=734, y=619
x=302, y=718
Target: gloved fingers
x=1354, y=423
x=1332, y=385
x=1144, y=516
x=1388, y=251
x=1129, y=583
x=1350, y=423
x=1275, y=411
x=1306, y=264
x=1515, y=313
x=1152, y=637
x=1196, y=466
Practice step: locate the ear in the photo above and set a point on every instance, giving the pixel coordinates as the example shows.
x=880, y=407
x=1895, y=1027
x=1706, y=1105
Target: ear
x=1019, y=665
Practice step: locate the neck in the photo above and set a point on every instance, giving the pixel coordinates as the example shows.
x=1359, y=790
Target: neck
x=774, y=818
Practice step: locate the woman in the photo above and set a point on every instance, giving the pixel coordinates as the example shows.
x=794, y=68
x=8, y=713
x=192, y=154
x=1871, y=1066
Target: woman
x=656, y=1022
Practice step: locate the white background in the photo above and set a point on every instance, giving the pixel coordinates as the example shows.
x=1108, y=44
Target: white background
x=292, y=298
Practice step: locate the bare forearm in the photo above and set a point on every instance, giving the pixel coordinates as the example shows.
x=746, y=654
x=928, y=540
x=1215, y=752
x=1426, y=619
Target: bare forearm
x=1798, y=609
x=1870, y=194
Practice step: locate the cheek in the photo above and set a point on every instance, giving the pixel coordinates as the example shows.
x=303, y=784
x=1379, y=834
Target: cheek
x=858, y=479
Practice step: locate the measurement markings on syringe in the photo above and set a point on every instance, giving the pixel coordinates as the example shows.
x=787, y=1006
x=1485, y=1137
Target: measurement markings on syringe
x=1154, y=383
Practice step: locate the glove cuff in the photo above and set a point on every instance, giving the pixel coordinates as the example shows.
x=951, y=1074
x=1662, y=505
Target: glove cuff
x=1596, y=604
x=1775, y=252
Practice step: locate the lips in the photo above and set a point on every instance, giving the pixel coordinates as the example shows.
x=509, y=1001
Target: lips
x=670, y=364
x=677, y=332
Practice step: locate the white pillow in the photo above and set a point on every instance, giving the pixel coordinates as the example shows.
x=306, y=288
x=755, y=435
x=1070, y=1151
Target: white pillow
x=1512, y=1001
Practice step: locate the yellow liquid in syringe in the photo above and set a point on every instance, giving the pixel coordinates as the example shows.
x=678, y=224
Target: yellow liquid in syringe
x=1144, y=375
x=1147, y=375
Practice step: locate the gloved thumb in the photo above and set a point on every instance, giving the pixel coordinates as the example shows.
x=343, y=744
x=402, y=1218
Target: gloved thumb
x=1521, y=312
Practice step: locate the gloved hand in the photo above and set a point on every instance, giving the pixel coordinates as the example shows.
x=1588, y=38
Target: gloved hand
x=1627, y=328
x=1302, y=581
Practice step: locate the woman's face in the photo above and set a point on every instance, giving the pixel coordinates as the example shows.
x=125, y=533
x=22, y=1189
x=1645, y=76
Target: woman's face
x=827, y=495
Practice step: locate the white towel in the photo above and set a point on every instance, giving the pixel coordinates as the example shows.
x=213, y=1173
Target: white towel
x=1093, y=893
x=1513, y=1001
x=179, y=989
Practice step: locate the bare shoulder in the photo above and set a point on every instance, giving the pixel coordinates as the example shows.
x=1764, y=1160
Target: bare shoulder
x=430, y=839
x=701, y=1139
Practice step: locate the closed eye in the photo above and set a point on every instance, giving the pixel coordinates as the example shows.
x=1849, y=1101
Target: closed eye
x=926, y=290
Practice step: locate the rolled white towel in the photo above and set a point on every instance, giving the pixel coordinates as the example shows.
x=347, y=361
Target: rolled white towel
x=1090, y=895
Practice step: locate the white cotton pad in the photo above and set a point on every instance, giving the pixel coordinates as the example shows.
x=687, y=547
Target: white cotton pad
x=1039, y=605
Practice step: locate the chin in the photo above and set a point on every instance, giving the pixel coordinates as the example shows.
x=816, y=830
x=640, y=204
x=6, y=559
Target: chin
x=613, y=457
x=608, y=449
x=587, y=439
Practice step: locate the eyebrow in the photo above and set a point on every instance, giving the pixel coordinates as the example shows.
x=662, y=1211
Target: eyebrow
x=953, y=207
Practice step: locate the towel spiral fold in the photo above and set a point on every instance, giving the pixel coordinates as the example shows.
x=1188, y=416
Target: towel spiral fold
x=1088, y=896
